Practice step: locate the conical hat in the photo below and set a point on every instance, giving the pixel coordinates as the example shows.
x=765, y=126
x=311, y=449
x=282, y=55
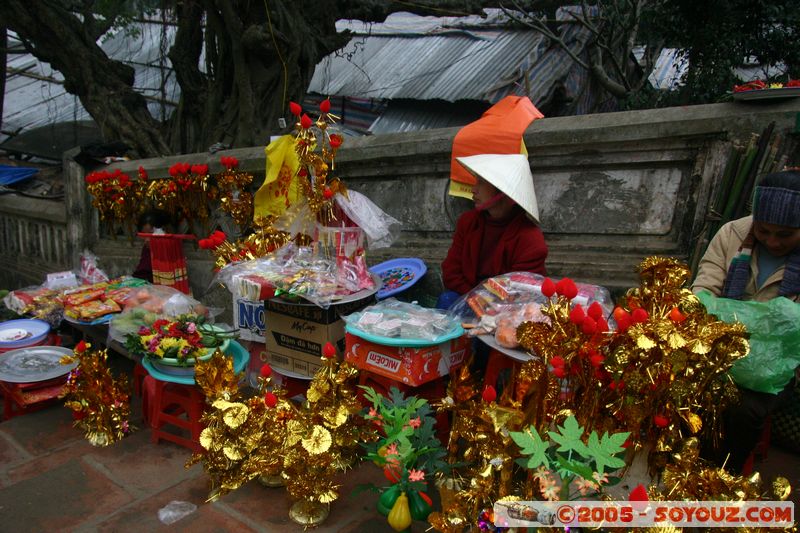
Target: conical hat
x=510, y=173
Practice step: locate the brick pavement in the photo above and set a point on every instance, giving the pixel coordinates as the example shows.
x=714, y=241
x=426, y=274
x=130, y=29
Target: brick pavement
x=52, y=479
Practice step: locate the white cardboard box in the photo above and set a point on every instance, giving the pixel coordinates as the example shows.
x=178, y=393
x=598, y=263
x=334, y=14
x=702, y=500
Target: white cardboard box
x=249, y=318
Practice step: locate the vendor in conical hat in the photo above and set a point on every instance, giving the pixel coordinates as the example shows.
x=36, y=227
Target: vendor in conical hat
x=501, y=234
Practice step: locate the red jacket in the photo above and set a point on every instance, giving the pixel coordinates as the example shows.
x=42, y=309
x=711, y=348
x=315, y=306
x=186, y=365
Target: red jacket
x=521, y=248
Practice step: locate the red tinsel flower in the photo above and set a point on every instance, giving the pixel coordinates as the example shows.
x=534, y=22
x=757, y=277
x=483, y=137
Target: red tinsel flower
x=266, y=371
x=218, y=237
x=81, y=347
x=270, y=400
x=595, y=359
x=577, y=315
x=206, y=244
x=639, y=315
x=489, y=394
x=559, y=372
x=142, y=173
x=557, y=362
x=327, y=193
x=305, y=122
x=660, y=421
x=325, y=106
x=335, y=140
x=295, y=109
x=548, y=287
x=595, y=311
x=792, y=83
x=588, y=325
x=638, y=494
x=676, y=316
x=567, y=288
x=200, y=170
x=329, y=350
x=602, y=325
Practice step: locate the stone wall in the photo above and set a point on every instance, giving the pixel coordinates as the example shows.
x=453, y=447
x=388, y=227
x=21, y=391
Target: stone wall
x=612, y=188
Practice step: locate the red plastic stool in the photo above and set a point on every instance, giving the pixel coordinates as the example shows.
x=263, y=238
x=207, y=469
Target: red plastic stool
x=173, y=404
x=431, y=391
x=139, y=373
x=292, y=386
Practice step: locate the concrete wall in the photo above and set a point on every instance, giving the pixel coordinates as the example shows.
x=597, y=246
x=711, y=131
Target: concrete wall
x=612, y=188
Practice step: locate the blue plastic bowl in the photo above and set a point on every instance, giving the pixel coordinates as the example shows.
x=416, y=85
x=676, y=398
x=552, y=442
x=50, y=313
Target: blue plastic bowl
x=23, y=332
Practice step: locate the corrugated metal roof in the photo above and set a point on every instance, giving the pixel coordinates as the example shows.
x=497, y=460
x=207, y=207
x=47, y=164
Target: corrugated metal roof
x=414, y=115
x=449, y=59
x=35, y=94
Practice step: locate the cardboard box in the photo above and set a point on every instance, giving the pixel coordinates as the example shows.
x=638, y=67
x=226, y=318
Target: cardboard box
x=296, y=332
x=249, y=318
x=412, y=366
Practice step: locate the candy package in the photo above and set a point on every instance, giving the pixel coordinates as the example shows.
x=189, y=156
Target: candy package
x=392, y=318
x=499, y=304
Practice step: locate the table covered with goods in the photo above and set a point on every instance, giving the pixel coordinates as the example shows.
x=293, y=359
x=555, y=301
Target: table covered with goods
x=325, y=366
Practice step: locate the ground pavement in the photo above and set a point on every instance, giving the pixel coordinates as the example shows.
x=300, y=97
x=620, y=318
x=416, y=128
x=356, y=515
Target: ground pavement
x=52, y=479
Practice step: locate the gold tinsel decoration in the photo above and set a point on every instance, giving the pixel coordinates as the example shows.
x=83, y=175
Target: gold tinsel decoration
x=324, y=433
x=316, y=150
x=479, y=434
x=663, y=378
x=243, y=436
x=230, y=189
x=117, y=198
x=100, y=402
x=263, y=240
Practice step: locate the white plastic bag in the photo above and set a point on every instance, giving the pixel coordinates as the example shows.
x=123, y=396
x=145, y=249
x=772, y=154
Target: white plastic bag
x=381, y=229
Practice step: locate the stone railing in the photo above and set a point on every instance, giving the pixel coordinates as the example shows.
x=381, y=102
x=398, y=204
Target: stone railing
x=33, y=240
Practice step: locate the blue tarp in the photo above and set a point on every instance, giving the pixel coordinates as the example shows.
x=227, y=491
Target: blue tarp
x=10, y=175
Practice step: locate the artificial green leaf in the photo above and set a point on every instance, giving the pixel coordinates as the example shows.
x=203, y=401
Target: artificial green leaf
x=604, y=450
x=569, y=437
x=565, y=466
x=531, y=443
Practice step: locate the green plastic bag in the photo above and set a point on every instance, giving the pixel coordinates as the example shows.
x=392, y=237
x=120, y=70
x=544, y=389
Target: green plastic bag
x=774, y=328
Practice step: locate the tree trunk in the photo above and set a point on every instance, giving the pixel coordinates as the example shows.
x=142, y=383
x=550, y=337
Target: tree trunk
x=258, y=57
x=104, y=86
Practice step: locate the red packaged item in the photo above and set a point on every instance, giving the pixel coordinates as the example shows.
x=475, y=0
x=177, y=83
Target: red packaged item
x=119, y=296
x=94, y=309
x=82, y=297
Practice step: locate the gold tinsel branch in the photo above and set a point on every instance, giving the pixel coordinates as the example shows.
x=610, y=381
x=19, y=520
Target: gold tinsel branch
x=243, y=437
x=100, y=402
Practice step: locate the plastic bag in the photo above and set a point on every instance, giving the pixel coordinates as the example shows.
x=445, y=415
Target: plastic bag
x=293, y=270
x=392, y=318
x=774, y=328
x=89, y=273
x=174, y=511
x=510, y=295
x=148, y=303
x=381, y=229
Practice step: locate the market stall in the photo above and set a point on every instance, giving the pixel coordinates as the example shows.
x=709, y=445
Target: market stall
x=325, y=370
